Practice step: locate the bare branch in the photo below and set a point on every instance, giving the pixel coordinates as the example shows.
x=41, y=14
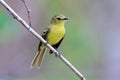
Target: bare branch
x=28, y=12
x=19, y=19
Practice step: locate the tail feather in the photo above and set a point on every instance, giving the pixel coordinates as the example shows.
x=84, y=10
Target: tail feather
x=33, y=63
x=38, y=58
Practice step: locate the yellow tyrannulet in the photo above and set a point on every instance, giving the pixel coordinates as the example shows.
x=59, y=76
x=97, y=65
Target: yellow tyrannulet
x=54, y=35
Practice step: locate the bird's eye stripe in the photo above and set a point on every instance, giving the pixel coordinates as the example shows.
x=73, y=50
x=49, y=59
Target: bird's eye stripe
x=59, y=18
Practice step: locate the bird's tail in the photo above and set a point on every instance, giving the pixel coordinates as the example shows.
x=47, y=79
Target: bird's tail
x=38, y=57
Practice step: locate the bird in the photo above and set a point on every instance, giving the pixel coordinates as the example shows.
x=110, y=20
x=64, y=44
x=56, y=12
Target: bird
x=54, y=35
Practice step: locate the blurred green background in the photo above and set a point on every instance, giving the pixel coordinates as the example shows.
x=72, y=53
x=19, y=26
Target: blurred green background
x=91, y=44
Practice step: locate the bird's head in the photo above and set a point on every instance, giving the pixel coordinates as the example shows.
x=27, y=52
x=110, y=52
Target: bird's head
x=58, y=19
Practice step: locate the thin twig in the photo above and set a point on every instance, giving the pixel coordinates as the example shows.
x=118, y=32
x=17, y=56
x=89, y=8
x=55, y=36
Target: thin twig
x=28, y=12
x=19, y=19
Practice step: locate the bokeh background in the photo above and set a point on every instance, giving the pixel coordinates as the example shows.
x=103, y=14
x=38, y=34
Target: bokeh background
x=92, y=42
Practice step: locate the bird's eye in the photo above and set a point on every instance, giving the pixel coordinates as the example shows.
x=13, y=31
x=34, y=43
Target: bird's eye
x=58, y=18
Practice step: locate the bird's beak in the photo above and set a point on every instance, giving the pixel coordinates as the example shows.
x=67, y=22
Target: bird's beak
x=66, y=18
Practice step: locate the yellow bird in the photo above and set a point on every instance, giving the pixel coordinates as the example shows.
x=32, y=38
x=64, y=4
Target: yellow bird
x=54, y=35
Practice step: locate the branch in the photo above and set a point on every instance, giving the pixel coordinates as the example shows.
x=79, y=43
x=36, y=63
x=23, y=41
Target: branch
x=19, y=19
x=28, y=12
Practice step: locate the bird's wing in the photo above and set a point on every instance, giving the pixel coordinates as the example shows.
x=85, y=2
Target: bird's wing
x=44, y=35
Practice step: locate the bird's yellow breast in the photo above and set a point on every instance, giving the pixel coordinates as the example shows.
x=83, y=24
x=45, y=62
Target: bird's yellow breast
x=56, y=33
